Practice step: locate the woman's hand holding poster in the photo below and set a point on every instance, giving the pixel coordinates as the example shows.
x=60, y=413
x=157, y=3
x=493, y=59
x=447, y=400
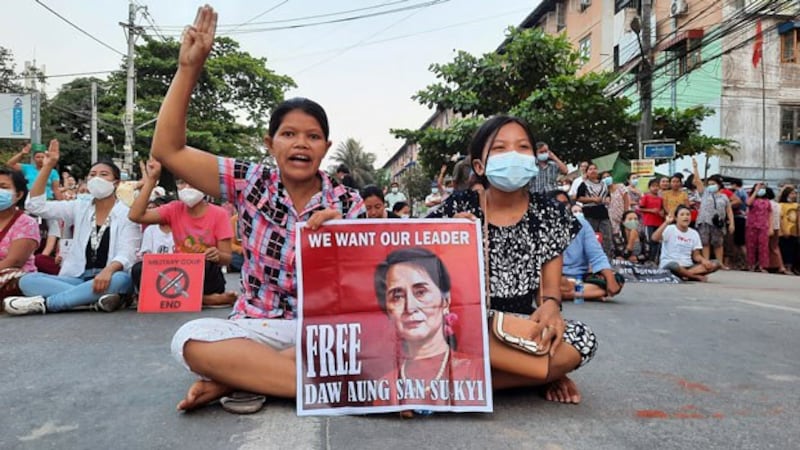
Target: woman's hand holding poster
x=392, y=317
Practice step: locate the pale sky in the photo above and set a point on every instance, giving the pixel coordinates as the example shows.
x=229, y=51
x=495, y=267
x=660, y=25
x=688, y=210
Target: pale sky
x=365, y=86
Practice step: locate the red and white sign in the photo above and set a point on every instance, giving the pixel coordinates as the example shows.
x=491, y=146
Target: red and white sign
x=172, y=283
x=392, y=317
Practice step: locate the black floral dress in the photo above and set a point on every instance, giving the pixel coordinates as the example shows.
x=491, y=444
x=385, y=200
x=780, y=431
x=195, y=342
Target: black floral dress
x=518, y=252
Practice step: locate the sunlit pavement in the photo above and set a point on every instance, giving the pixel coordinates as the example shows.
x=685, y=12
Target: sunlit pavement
x=694, y=366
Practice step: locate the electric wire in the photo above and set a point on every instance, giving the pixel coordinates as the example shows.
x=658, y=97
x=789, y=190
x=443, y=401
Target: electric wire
x=43, y=5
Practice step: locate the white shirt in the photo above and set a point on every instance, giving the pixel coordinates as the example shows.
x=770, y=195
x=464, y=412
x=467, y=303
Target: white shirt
x=392, y=198
x=576, y=183
x=677, y=246
x=124, y=239
x=156, y=241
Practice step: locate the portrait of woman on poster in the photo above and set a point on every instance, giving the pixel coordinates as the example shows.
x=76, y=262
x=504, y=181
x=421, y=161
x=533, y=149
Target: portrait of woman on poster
x=413, y=288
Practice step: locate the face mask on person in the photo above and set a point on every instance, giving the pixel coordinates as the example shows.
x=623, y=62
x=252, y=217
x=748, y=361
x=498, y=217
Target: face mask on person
x=190, y=196
x=634, y=181
x=608, y=181
x=511, y=171
x=394, y=190
x=631, y=224
x=578, y=215
x=448, y=190
x=85, y=196
x=6, y=199
x=761, y=192
x=563, y=188
x=712, y=188
x=100, y=188
x=543, y=156
x=434, y=191
x=404, y=216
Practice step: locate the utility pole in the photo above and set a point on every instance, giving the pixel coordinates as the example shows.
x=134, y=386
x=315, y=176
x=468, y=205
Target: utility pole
x=133, y=32
x=31, y=75
x=646, y=76
x=94, y=122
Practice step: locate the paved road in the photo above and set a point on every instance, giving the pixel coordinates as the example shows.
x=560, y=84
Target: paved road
x=689, y=366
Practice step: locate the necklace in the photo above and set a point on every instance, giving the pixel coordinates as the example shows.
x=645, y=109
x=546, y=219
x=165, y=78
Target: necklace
x=97, y=235
x=439, y=374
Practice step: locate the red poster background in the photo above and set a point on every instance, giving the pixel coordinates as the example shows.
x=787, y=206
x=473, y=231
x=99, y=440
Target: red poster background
x=338, y=287
x=159, y=269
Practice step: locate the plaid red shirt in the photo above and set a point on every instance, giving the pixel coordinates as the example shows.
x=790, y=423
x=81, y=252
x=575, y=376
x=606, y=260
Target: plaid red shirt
x=267, y=221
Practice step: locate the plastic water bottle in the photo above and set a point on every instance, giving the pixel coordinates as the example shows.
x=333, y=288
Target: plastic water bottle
x=578, y=292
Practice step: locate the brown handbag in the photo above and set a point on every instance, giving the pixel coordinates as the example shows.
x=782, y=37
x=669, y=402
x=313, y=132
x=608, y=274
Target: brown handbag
x=511, y=348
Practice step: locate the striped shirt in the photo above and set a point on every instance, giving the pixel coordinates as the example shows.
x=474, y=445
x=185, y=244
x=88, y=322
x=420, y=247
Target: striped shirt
x=267, y=221
x=546, y=180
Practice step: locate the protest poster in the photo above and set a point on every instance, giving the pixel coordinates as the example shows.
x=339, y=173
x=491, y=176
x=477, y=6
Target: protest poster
x=643, y=167
x=639, y=273
x=172, y=283
x=391, y=317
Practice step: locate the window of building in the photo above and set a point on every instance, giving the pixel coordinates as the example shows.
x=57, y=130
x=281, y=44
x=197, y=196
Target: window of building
x=619, y=5
x=790, y=123
x=689, y=56
x=582, y=5
x=561, y=16
x=789, y=46
x=616, y=58
x=585, y=48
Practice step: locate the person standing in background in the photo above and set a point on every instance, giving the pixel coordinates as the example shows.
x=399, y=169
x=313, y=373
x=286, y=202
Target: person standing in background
x=394, y=195
x=550, y=167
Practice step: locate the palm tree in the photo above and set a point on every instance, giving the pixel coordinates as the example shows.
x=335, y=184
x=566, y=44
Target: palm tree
x=352, y=154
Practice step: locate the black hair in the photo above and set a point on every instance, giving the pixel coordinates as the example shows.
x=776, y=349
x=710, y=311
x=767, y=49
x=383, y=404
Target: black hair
x=678, y=176
x=398, y=206
x=114, y=168
x=486, y=134
x=419, y=257
x=770, y=195
x=652, y=182
x=631, y=174
x=678, y=209
x=554, y=194
x=736, y=181
x=372, y=191
x=19, y=181
x=343, y=169
x=540, y=144
x=628, y=212
x=605, y=172
x=717, y=179
x=784, y=197
x=461, y=175
x=309, y=107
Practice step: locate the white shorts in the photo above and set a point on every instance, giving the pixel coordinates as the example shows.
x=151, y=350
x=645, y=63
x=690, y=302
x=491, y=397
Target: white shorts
x=279, y=334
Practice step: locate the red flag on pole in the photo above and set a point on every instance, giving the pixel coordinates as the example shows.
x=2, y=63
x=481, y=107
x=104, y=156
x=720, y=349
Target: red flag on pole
x=758, y=46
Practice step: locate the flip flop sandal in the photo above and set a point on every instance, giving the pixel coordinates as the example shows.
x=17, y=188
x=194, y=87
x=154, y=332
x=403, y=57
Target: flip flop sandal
x=217, y=306
x=241, y=402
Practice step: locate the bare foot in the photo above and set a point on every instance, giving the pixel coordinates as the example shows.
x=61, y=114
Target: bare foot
x=701, y=278
x=202, y=392
x=562, y=390
x=223, y=299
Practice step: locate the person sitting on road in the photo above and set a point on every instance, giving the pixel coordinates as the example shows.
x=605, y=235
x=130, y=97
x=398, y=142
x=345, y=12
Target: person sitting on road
x=94, y=271
x=681, y=247
x=254, y=350
x=197, y=227
x=527, y=233
x=156, y=239
x=628, y=245
x=585, y=261
x=375, y=204
x=19, y=233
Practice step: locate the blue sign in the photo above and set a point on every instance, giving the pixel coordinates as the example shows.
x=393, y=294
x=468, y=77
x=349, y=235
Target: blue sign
x=659, y=150
x=17, y=121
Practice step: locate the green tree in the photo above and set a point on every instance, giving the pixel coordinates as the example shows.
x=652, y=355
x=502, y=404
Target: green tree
x=415, y=183
x=534, y=77
x=234, y=85
x=361, y=163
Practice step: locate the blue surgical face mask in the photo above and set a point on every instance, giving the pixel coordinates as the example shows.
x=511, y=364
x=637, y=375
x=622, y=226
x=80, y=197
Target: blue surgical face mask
x=434, y=190
x=511, y=171
x=6, y=199
x=543, y=156
x=85, y=197
x=713, y=188
x=578, y=215
x=761, y=192
x=608, y=181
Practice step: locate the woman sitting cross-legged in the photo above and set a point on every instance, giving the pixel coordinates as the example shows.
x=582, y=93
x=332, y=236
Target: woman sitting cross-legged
x=94, y=271
x=19, y=233
x=527, y=233
x=681, y=248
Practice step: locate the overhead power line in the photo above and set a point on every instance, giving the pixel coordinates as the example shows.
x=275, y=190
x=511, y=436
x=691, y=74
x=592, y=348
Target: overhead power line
x=78, y=28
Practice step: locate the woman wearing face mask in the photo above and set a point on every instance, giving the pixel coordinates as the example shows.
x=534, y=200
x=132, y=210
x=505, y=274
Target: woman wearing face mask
x=527, y=233
x=758, y=228
x=789, y=230
x=197, y=227
x=715, y=216
x=632, y=184
x=594, y=195
x=627, y=242
x=19, y=233
x=94, y=271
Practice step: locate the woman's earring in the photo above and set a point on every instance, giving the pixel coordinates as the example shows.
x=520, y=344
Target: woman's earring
x=450, y=320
